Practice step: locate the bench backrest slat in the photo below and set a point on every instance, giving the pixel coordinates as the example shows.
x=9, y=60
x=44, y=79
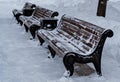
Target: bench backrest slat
x=86, y=34
x=42, y=13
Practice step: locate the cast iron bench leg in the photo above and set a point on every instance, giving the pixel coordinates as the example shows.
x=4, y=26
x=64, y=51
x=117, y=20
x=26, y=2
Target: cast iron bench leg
x=26, y=28
x=69, y=62
x=41, y=40
x=33, y=29
x=51, y=51
x=71, y=58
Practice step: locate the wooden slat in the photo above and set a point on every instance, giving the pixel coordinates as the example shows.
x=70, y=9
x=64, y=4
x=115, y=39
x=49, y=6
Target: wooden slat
x=42, y=13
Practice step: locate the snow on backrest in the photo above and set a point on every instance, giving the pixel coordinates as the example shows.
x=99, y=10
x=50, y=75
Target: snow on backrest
x=84, y=35
x=42, y=13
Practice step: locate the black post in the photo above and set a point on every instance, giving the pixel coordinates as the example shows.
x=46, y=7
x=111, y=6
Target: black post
x=101, y=11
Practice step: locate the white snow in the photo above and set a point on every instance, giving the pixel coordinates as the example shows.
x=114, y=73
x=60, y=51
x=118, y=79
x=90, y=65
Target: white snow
x=23, y=60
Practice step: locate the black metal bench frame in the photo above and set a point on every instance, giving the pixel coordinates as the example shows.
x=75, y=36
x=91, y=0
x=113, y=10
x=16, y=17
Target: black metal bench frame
x=70, y=58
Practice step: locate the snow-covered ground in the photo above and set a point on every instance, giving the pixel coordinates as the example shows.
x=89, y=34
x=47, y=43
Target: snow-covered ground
x=23, y=60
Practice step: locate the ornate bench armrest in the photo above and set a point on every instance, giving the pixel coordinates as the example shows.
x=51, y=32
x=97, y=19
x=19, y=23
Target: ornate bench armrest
x=49, y=23
x=28, y=12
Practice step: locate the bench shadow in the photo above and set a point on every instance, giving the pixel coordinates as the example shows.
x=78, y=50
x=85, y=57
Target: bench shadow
x=83, y=70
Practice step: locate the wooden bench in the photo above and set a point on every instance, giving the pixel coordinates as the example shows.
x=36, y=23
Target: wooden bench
x=76, y=41
x=37, y=20
x=27, y=10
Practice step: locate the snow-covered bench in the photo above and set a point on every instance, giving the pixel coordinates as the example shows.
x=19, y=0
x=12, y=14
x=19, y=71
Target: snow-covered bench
x=35, y=22
x=27, y=10
x=76, y=41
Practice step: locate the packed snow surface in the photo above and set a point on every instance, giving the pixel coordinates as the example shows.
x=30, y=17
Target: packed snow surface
x=24, y=60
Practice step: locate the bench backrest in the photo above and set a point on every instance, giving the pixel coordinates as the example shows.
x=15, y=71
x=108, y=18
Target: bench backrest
x=28, y=5
x=43, y=13
x=84, y=35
